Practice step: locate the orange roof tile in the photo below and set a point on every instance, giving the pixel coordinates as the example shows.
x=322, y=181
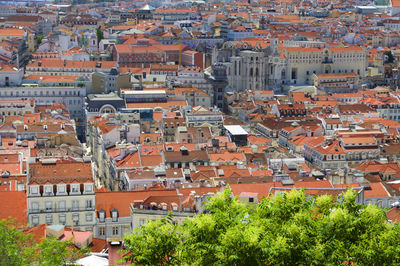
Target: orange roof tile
x=13, y=204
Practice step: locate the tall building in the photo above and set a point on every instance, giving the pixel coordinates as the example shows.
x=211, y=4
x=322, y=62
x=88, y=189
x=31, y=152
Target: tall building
x=218, y=80
x=61, y=192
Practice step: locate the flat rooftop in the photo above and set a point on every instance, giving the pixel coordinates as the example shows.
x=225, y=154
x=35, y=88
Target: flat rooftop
x=236, y=130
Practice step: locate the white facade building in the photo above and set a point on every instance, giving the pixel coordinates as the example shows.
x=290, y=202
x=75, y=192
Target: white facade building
x=61, y=192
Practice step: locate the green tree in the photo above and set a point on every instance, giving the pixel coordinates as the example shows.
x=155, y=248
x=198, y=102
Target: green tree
x=39, y=39
x=18, y=248
x=99, y=34
x=288, y=228
x=154, y=243
x=390, y=57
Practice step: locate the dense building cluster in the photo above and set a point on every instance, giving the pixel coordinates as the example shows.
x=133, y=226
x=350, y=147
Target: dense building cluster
x=115, y=113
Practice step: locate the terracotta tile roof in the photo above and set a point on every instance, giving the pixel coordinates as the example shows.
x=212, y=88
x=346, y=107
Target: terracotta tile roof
x=197, y=155
x=12, y=32
x=231, y=172
x=345, y=109
x=151, y=149
x=374, y=166
x=151, y=160
x=98, y=245
x=129, y=161
x=176, y=146
x=61, y=172
x=262, y=173
x=153, y=137
x=38, y=232
x=394, y=213
x=13, y=204
x=227, y=156
x=49, y=78
x=333, y=148
x=121, y=200
x=202, y=175
x=252, y=139
x=301, y=140
x=358, y=140
x=61, y=64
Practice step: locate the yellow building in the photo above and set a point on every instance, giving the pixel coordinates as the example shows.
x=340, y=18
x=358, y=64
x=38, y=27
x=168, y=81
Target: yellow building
x=31, y=42
x=304, y=62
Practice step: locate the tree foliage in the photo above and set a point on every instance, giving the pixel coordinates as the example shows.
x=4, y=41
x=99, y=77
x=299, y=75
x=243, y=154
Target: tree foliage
x=39, y=39
x=390, y=57
x=18, y=248
x=99, y=35
x=289, y=228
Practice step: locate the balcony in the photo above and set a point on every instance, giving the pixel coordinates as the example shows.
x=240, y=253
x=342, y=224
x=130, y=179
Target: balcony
x=60, y=210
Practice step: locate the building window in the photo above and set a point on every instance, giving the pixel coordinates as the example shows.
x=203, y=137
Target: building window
x=34, y=190
x=102, y=216
x=61, y=205
x=101, y=231
x=115, y=230
x=88, y=188
x=89, y=204
x=35, y=206
x=75, y=218
x=75, y=188
x=49, y=206
x=89, y=217
x=49, y=219
x=114, y=215
x=61, y=188
x=62, y=218
x=35, y=220
x=294, y=74
x=75, y=205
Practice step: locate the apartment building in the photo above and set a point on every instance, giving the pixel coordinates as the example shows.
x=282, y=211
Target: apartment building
x=239, y=33
x=72, y=96
x=359, y=149
x=157, y=207
x=336, y=82
x=169, y=16
x=144, y=53
x=14, y=51
x=9, y=33
x=199, y=115
x=16, y=107
x=58, y=67
x=387, y=106
x=326, y=155
x=192, y=95
x=61, y=192
x=194, y=76
x=10, y=75
x=113, y=81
